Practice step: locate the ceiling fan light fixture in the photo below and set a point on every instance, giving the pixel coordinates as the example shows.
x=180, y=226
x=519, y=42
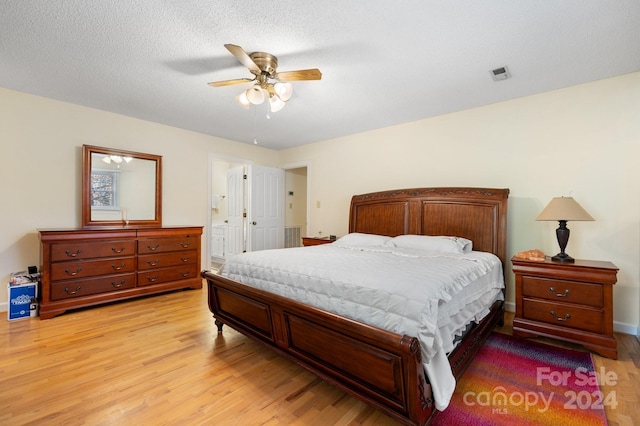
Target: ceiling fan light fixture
x=244, y=100
x=284, y=90
x=255, y=94
x=275, y=103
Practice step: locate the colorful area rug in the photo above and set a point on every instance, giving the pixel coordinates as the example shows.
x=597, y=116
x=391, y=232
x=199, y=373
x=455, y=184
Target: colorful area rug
x=522, y=382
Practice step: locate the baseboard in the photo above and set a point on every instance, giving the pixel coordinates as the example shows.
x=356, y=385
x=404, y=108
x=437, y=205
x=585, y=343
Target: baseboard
x=4, y=306
x=509, y=306
x=621, y=327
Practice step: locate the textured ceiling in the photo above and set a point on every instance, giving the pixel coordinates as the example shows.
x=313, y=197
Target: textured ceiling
x=383, y=62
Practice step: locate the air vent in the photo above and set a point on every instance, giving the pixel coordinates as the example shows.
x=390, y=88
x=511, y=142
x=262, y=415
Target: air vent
x=500, y=74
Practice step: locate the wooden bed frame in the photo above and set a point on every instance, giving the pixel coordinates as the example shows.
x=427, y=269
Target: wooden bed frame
x=381, y=368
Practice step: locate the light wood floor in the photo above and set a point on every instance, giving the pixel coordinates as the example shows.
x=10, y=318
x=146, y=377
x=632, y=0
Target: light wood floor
x=160, y=361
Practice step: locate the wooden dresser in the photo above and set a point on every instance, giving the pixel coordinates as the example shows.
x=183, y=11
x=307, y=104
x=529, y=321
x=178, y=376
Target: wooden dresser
x=86, y=267
x=566, y=301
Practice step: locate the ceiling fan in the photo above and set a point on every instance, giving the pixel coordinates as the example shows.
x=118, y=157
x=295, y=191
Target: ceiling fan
x=269, y=84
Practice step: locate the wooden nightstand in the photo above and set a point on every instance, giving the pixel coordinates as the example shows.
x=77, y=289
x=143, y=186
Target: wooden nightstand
x=314, y=241
x=566, y=301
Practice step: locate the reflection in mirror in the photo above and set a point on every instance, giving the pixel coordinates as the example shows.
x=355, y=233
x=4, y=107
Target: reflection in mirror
x=120, y=188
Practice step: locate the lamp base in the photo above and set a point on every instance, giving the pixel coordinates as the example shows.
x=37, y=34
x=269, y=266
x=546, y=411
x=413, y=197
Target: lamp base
x=563, y=257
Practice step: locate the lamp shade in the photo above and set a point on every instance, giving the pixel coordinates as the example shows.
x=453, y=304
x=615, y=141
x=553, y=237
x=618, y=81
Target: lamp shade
x=255, y=94
x=275, y=103
x=564, y=208
x=284, y=90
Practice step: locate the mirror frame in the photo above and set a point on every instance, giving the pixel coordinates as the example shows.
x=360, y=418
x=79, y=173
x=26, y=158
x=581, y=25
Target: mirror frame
x=87, y=152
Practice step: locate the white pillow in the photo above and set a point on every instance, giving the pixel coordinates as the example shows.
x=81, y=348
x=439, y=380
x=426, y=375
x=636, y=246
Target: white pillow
x=433, y=243
x=358, y=239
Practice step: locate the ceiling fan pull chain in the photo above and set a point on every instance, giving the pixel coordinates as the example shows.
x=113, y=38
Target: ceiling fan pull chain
x=255, y=133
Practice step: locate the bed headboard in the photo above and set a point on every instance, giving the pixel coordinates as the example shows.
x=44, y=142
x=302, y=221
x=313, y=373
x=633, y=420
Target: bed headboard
x=478, y=214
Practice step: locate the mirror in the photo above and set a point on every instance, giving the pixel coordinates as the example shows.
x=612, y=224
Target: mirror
x=120, y=188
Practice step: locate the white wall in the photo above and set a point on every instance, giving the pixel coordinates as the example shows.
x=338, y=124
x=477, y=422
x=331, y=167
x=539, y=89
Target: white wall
x=581, y=141
x=40, y=149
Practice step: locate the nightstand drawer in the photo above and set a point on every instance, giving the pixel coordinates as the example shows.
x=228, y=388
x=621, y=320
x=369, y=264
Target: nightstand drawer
x=563, y=291
x=579, y=318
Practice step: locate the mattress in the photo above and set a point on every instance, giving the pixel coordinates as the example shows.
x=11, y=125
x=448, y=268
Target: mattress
x=432, y=295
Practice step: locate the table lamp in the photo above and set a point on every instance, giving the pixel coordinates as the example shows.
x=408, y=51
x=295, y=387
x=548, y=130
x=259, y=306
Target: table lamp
x=563, y=209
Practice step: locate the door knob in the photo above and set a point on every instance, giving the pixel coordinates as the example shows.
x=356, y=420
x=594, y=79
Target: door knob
x=254, y=223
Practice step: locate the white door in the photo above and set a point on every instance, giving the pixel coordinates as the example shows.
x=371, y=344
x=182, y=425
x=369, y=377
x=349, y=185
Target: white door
x=234, y=243
x=265, y=217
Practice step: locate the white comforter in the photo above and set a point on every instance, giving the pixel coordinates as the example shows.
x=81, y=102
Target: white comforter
x=426, y=294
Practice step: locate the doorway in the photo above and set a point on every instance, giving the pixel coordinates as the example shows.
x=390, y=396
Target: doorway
x=293, y=204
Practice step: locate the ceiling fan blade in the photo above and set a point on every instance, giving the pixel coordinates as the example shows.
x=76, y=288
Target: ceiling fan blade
x=310, y=74
x=243, y=57
x=230, y=82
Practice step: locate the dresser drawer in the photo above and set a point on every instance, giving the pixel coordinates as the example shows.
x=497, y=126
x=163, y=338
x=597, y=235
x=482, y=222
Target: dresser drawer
x=157, y=276
x=563, y=291
x=163, y=245
x=90, y=268
x=88, y=286
x=163, y=260
x=580, y=318
x=90, y=250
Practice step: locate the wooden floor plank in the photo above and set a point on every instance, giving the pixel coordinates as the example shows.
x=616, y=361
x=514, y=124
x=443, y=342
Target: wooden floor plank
x=159, y=360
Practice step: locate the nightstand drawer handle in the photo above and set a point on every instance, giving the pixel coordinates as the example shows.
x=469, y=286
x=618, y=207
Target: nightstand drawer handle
x=566, y=317
x=553, y=291
x=72, y=292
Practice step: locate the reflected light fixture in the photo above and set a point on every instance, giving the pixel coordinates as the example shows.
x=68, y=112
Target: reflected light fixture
x=116, y=159
x=563, y=209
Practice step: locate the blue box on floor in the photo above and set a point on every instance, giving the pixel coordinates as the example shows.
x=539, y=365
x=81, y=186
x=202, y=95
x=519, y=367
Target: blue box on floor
x=20, y=297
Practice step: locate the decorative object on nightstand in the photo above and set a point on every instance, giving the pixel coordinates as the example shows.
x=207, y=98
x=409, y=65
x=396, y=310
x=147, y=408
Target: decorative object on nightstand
x=563, y=209
x=566, y=301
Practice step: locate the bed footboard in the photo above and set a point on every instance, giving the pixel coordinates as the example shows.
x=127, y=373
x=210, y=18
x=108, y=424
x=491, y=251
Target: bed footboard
x=381, y=368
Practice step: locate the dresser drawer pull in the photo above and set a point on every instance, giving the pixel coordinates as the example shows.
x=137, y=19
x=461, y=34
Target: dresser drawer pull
x=117, y=268
x=152, y=279
x=71, y=254
x=115, y=250
x=68, y=272
x=185, y=245
x=185, y=259
x=553, y=291
x=154, y=248
x=72, y=292
x=118, y=285
x=153, y=262
x=185, y=274
x=566, y=317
